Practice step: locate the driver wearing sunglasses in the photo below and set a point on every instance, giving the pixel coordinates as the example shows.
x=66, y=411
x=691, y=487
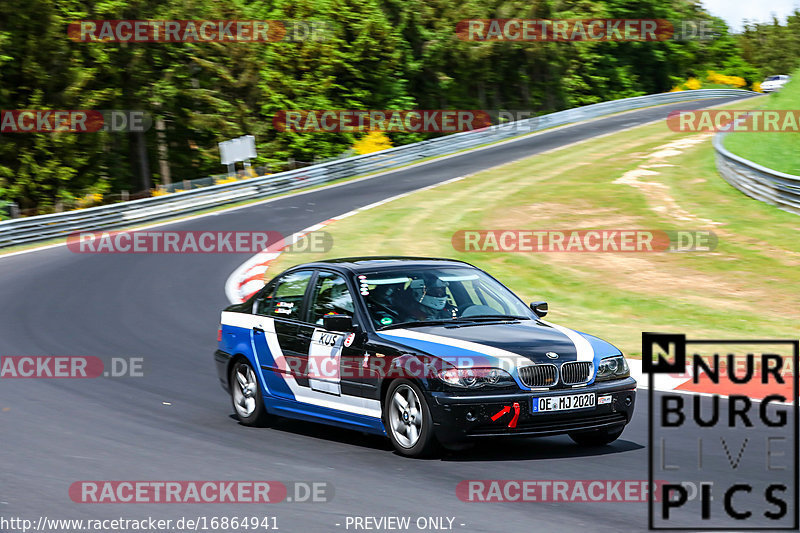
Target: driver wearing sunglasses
x=428, y=299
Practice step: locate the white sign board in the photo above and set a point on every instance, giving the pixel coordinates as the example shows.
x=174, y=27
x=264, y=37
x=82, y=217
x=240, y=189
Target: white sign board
x=239, y=149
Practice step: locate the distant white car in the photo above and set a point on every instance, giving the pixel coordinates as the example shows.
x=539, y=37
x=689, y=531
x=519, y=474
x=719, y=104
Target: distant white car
x=774, y=83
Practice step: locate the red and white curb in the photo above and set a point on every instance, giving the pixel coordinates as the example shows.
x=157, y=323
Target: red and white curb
x=663, y=382
x=250, y=277
x=685, y=383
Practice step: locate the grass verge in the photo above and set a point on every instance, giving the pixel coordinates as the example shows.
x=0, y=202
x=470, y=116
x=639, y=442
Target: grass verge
x=776, y=150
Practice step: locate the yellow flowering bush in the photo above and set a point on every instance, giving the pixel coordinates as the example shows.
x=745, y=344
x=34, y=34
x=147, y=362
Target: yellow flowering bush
x=89, y=200
x=693, y=84
x=722, y=79
x=713, y=78
x=374, y=141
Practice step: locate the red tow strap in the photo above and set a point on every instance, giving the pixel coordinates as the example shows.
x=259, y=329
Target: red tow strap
x=513, y=422
x=505, y=410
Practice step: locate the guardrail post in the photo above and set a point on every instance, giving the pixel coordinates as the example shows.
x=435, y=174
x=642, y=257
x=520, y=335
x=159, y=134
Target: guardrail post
x=13, y=210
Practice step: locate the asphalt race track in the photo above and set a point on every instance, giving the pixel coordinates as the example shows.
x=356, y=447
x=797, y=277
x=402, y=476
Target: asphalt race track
x=176, y=423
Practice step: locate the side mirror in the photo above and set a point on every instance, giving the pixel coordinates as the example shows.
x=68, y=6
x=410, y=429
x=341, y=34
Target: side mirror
x=540, y=308
x=338, y=323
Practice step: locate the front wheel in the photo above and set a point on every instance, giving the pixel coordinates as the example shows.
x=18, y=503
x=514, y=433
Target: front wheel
x=597, y=437
x=246, y=396
x=407, y=419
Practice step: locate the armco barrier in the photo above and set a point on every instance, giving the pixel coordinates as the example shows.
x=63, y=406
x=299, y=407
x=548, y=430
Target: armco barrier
x=43, y=227
x=762, y=183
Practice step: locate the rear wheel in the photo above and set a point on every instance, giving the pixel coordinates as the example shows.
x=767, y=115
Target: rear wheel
x=407, y=419
x=248, y=402
x=597, y=437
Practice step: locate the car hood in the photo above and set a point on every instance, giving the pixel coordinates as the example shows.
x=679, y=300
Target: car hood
x=503, y=344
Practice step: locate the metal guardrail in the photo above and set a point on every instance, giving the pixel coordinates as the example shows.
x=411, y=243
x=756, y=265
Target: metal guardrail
x=759, y=182
x=43, y=227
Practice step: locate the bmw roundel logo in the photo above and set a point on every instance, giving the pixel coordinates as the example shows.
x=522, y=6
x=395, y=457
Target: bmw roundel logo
x=552, y=355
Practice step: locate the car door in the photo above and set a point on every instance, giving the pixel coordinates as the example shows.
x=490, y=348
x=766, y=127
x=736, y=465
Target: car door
x=277, y=336
x=331, y=352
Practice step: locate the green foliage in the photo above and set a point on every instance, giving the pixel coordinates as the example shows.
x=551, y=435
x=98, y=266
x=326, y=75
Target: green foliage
x=380, y=54
x=772, y=48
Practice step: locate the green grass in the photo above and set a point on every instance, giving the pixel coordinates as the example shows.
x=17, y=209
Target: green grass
x=775, y=150
x=747, y=287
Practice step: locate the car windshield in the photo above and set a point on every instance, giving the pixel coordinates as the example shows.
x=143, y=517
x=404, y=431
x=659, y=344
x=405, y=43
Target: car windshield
x=414, y=296
x=773, y=78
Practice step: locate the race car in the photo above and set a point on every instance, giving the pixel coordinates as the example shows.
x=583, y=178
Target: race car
x=774, y=83
x=428, y=352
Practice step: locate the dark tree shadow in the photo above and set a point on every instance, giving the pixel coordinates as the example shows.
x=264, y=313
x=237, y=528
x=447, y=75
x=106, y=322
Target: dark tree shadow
x=492, y=449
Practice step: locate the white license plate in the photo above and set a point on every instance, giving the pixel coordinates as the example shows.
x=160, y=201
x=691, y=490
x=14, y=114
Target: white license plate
x=548, y=404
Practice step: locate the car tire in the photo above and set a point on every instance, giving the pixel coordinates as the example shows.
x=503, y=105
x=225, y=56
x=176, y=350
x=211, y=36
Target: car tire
x=246, y=396
x=598, y=437
x=408, y=420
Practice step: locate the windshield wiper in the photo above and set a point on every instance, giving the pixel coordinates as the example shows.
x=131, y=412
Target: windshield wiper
x=415, y=323
x=494, y=317
x=458, y=321
x=468, y=322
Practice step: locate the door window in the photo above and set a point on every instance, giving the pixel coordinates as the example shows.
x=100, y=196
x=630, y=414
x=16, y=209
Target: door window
x=287, y=300
x=331, y=296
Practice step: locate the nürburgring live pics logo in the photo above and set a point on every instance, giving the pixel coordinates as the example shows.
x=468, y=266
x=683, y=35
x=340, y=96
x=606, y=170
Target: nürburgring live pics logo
x=726, y=452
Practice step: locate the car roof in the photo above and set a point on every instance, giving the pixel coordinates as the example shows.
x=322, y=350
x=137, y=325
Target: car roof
x=377, y=263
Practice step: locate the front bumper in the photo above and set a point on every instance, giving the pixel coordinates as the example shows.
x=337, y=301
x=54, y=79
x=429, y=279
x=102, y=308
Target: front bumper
x=461, y=417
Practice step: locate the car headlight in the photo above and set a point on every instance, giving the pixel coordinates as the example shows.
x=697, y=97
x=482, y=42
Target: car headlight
x=612, y=368
x=474, y=378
